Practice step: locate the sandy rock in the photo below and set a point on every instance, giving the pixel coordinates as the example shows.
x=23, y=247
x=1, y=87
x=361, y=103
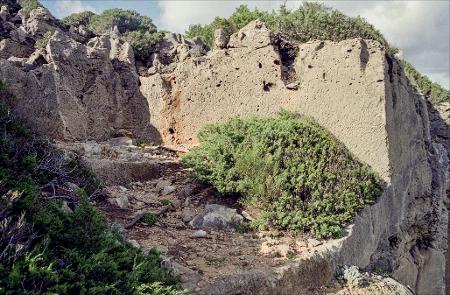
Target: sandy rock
x=187, y=215
x=247, y=216
x=254, y=35
x=314, y=242
x=118, y=141
x=189, y=278
x=134, y=243
x=354, y=277
x=162, y=184
x=217, y=217
x=199, y=234
x=220, y=39
x=168, y=190
x=40, y=22
x=121, y=201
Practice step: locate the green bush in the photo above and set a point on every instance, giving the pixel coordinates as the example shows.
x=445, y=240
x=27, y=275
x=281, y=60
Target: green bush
x=142, y=42
x=295, y=172
x=77, y=19
x=125, y=20
x=433, y=91
x=310, y=21
x=29, y=5
x=136, y=29
x=150, y=218
x=49, y=249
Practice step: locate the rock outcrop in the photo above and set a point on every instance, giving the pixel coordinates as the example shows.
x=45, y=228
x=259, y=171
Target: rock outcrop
x=362, y=95
x=72, y=91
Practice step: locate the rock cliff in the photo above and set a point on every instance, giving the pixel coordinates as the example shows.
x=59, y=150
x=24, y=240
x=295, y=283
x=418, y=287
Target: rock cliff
x=72, y=91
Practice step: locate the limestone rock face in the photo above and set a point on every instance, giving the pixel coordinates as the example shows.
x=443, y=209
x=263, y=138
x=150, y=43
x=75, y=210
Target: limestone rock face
x=254, y=35
x=71, y=91
x=220, y=39
x=358, y=92
x=86, y=91
x=40, y=22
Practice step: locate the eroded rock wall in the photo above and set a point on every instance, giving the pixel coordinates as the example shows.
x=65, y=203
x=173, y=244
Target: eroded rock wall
x=358, y=92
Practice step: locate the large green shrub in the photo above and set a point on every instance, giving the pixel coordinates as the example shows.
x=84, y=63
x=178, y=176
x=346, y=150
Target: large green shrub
x=77, y=19
x=136, y=29
x=29, y=5
x=433, y=91
x=309, y=21
x=125, y=20
x=48, y=247
x=295, y=172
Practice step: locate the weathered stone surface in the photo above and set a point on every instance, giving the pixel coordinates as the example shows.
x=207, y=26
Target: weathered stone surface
x=217, y=217
x=10, y=48
x=83, y=93
x=254, y=35
x=363, y=97
x=220, y=39
x=40, y=22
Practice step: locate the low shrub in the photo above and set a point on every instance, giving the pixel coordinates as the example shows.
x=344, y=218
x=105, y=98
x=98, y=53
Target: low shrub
x=52, y=240
x=293, y=171
x=433, y=91
x=42, y=43
x=77, y=19
x=310, y=21
x=29, y=5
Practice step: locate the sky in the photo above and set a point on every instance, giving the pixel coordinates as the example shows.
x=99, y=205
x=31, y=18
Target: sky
x=421, y=29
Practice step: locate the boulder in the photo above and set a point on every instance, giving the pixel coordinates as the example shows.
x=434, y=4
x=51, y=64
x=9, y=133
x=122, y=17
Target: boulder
x=221, y=39
x=40, y=22
x=216, y=216
x=9, y=47
x=254, y=35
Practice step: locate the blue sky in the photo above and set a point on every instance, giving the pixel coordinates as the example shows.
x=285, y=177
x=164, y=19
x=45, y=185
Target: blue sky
x=420, y=28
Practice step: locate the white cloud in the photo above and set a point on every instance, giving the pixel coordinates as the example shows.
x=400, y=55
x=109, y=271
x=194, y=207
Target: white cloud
x=419, y=28
x=178, y=15
x=66, y=7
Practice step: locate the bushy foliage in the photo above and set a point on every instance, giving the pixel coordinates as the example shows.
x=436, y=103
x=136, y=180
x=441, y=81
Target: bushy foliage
x=309, y=21
x=295, y=172
x=125, y=20
x=29, y=5
x=142, y=41
x=433, y=91
x=48, y=247
x=77, y=19
x=136, y=29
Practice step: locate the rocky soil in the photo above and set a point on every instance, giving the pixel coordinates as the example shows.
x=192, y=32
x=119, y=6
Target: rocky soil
x=202, y=236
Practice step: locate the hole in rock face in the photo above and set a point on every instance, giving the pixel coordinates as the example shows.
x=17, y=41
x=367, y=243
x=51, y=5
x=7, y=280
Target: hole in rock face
x=277, y=62
x=288, y=53
x=323, y=76
x=171, y=130
x=267, y=85
x=310, y=66
x=259, y=65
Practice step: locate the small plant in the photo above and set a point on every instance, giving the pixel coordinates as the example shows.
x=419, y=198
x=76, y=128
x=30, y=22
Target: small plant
x=158, y=289
x=140, y=143
x=242, y=228
x=149, y=218
x=214, y=261
x=42, y=43
x=165, y=202
x=290, y=255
